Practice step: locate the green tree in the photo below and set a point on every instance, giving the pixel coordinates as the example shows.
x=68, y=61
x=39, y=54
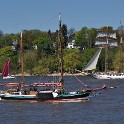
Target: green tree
x=64, y=34
x=85, y=38
x=71, y=34
x=53, y=63
x=91, y=37
x=29, y=36
x=72, y=60
x=6, y=51
x=2, y=42
x=43, y=44
x=106, y=28
x=1, y=34
x=42, y=68
x=31, y=60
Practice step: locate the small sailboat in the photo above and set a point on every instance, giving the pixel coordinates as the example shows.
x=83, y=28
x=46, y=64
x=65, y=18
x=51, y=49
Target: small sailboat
x=6, y=70
x=20, y=92
x=58, y=93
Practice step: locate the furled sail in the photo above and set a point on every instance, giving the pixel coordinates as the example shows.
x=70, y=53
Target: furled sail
x=93, y=62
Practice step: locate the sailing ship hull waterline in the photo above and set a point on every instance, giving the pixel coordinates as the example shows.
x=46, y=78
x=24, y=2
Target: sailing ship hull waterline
x=18, y=97
x=46, y=96
x=109, y=76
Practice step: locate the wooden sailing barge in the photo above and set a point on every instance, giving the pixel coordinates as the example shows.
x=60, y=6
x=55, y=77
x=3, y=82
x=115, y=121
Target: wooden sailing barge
x=59, y=94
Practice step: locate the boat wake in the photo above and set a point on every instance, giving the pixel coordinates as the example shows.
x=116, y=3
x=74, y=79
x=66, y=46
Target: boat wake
x=68, y=100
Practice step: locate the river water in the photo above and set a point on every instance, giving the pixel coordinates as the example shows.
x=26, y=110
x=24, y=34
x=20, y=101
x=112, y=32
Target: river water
x=106, y=107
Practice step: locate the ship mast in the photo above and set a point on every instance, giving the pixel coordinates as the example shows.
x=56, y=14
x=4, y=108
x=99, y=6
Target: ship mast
x=106, y=51
x=22, y=63
x=121, y=60
x=60, y=52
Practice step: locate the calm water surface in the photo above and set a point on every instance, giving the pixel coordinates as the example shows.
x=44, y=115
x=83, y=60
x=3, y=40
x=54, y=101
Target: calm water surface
x=106, y=108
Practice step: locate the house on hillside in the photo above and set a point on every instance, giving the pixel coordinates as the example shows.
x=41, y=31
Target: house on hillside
x=14, y=46
x=71, y=44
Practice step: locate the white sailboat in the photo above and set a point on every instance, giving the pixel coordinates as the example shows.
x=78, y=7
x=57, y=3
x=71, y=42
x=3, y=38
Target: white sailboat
x=101, y=75
x=109, y=76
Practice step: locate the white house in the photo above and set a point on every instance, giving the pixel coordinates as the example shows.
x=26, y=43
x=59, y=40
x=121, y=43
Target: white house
x=71, y=44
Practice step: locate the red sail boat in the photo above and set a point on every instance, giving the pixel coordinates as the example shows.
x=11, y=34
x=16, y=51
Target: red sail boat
x=6, y=70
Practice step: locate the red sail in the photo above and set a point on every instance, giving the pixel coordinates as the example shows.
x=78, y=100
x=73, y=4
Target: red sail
x=6, y=68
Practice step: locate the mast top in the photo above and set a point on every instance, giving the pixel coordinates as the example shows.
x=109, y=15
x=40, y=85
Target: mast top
x=21, y=34
x=59, y=16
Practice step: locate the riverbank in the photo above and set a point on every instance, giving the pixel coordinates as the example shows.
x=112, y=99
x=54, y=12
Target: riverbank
x=68, y=74
x=55, y=74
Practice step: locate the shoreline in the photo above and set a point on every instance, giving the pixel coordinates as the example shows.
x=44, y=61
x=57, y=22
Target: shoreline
x=68, y=74
x=55, y=74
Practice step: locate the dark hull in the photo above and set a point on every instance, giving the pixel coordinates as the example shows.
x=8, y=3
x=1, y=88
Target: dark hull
x=49, y=97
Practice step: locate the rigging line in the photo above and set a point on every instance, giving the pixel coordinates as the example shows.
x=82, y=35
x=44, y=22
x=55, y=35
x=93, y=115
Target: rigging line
x=82, y=82
x=49, y=20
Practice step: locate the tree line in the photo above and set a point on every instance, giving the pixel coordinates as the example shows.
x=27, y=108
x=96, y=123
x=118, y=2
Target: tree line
x=41, y=50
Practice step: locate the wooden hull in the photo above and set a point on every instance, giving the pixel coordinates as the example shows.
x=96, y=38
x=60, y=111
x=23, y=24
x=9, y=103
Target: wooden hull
x=48, y=97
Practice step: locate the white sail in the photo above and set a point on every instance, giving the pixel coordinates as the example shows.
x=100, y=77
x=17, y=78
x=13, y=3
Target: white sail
x=93, y=62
